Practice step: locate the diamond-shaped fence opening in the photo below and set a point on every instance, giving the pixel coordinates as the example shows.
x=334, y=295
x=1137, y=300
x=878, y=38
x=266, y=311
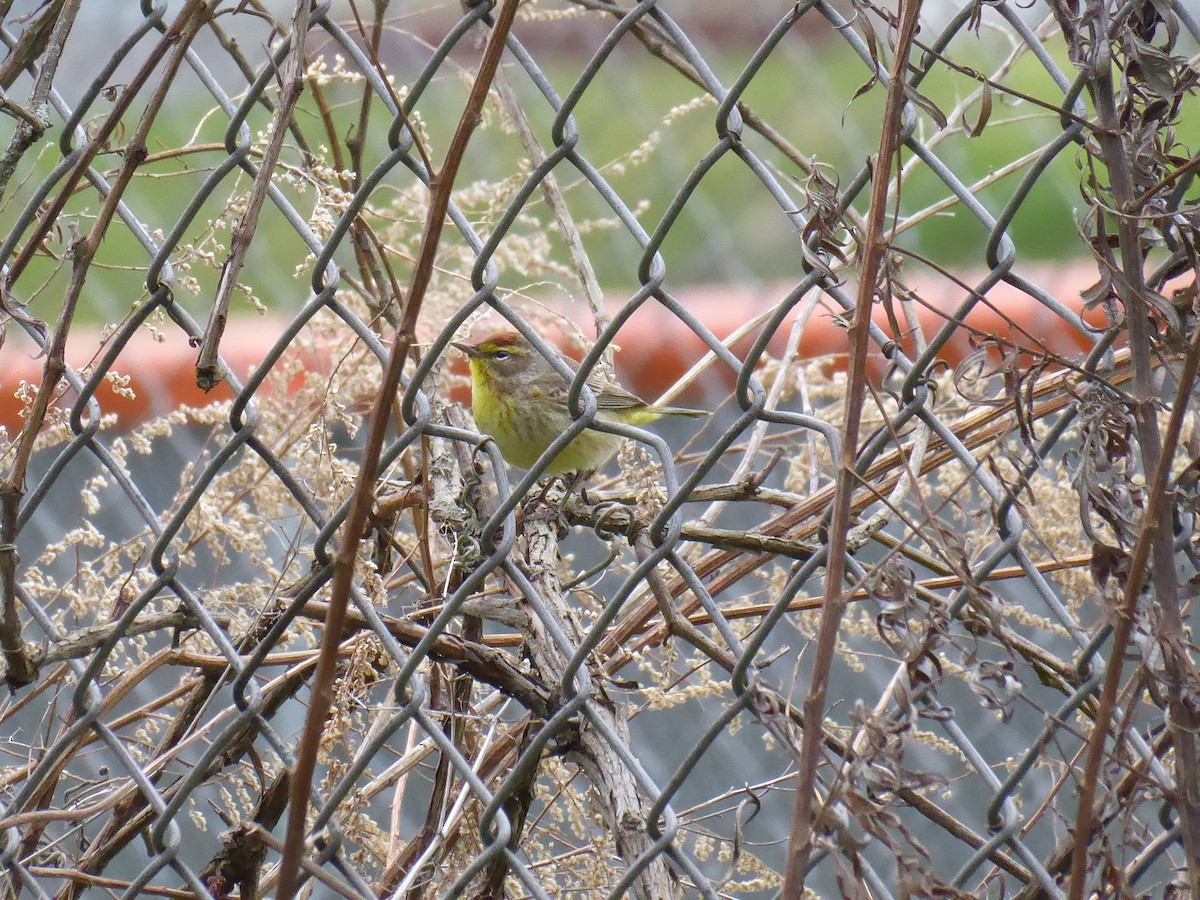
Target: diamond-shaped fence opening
x=904, y=613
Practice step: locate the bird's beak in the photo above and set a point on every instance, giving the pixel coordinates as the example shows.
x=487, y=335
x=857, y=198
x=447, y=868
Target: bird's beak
x=471, y=352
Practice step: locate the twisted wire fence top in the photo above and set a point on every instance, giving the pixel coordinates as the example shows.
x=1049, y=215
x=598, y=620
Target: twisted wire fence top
x=906, y=620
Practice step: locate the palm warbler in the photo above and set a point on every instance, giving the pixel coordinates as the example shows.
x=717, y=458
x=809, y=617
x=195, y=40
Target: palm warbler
x=520, y=401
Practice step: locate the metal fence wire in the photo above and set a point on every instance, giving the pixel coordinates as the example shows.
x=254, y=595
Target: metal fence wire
x=911, y=621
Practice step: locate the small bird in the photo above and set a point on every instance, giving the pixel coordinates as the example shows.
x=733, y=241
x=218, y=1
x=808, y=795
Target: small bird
x=520, y=401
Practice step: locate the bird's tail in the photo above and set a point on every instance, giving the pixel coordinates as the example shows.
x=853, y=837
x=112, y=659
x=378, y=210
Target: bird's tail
x=679, y=411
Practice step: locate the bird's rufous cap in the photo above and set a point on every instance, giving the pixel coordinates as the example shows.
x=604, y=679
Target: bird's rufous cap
x=495, y=341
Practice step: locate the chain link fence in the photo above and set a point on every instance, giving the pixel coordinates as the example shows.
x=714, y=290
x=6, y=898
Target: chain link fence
x=909, y=621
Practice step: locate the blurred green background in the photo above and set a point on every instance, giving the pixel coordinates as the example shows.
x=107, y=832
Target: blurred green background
x=641, y=123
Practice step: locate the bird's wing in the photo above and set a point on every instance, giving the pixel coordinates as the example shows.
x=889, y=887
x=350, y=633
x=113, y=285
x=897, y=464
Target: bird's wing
x=610, y=395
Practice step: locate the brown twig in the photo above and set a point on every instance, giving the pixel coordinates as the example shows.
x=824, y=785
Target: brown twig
x=1155, y=540
x=441, y=185
x=208, y=364
x=584, y=270
x=875, y=246
x=33, y=122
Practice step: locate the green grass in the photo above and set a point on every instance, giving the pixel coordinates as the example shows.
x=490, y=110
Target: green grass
x=730, y=229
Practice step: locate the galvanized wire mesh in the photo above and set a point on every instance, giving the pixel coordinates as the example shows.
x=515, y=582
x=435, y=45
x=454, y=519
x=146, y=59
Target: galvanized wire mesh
x=541, y=692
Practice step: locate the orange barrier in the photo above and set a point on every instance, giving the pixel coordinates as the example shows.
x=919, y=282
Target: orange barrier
x=656, y=347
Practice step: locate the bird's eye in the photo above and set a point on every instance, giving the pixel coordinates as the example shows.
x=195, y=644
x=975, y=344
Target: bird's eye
x=501, y=354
